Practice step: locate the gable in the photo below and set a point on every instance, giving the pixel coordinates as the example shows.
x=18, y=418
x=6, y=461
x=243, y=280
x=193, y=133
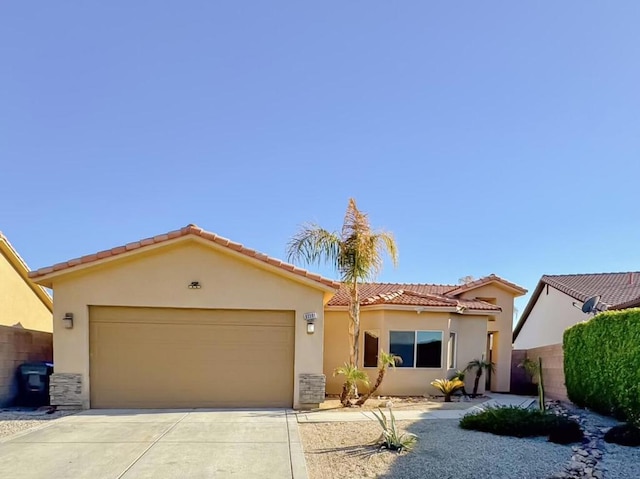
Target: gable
x=20, y=306
x=161, y=277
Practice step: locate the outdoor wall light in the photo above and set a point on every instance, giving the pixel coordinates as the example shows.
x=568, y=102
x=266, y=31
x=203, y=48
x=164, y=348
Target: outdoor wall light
x=194, y=285
x=68, y=320
x=310, y=318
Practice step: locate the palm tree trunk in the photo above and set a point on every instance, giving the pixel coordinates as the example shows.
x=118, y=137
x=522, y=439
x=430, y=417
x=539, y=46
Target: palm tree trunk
x=447, y=397
x=354, y=324
x=476, y=382
x=344, y=396
x=375, y=387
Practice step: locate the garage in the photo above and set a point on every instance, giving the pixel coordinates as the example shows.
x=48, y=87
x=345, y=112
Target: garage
x=186, y=319
x=187, y=358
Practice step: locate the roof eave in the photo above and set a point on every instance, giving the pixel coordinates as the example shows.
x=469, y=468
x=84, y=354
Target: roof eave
x=61, y=270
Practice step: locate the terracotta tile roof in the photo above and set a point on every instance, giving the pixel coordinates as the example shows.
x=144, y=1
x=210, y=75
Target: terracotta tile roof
x=186, y=231
x=616, y=290
x=427, y=295
x=486, y=280
x=613, y=288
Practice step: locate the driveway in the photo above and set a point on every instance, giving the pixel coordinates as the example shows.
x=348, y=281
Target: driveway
x=159, y=444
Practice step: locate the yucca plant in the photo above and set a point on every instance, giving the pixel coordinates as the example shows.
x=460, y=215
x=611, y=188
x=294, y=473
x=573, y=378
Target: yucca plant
x=391, y=438
x=352, y=376
x=447, y=387
x=534, y=369
x=385, y=360
x=460, y=375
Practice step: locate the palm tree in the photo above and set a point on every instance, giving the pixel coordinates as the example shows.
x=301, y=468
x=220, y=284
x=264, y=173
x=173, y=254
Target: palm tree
x=356, y=254
x=385, y=360
x=479, y=365
x=352, y=376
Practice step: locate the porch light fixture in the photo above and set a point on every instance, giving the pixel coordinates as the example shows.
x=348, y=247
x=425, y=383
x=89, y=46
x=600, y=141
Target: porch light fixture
x=310, y=318
x=194, y=285
x=68, y=320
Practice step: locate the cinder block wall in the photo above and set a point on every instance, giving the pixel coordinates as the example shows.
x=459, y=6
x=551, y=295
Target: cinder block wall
x=552, y=370
x=18, y=346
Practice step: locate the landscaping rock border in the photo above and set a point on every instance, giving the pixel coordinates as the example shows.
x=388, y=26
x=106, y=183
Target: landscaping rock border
x=585, y=463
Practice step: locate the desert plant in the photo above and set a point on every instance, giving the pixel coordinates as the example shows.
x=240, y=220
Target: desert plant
x=479, y=365
x=352, y=376
x=385, y=360
x=447, y=387
x=460, y=375
x=391, y=438
x=534, y=370
x=520, y=422
x=602, y=364
x=355, y=252
x=624, y=434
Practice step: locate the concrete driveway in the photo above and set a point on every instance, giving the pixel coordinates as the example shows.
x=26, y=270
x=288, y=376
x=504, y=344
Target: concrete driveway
x=158, y=444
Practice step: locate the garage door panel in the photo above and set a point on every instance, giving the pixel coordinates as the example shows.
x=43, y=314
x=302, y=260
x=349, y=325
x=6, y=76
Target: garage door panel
x=206, y=359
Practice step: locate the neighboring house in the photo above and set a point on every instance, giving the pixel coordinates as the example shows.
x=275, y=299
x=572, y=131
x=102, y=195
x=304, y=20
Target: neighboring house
x=25, y=320
x=556, y=301
x=435, y=329
x=23, y=303
x=190, y=319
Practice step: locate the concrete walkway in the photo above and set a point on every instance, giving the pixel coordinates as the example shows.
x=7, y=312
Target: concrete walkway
x=158, y=444
x=415, y=414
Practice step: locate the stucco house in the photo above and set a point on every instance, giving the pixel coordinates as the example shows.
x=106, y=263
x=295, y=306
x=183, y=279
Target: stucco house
x=25, y=320
x=552, y=307
x=23, y=303
x=191, y=319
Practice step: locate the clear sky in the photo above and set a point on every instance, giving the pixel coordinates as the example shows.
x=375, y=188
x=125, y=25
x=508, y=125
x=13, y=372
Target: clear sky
x=488, y=136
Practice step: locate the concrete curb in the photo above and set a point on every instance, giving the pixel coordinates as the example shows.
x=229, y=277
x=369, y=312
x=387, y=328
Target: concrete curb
x=296, y=451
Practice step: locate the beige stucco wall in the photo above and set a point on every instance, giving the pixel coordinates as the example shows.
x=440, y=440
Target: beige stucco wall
x=501, y=327
x=159, y=278
x=19, y=305
x=552, y=313
x=471, y=336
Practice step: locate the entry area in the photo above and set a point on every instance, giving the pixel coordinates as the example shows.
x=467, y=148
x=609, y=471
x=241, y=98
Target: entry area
x=190, y=358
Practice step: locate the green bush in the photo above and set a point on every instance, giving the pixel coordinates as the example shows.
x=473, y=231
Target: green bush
x=624, y=434
x=602, y=364
x=519, y=422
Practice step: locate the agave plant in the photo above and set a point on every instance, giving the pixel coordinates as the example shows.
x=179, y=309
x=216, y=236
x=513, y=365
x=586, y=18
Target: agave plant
x=385, y=360
x=447, y=387
x=391, y=438
x=352, y=376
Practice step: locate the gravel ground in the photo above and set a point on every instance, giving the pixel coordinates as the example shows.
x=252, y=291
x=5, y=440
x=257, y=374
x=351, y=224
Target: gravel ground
x=621, y=462
x=12, y=422
x=340, y=450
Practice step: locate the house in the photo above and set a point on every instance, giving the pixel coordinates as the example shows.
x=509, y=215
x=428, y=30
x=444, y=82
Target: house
x=435, y=329
x=23, y=304
x=191, y=319
x=556, y=301
x=25, y=320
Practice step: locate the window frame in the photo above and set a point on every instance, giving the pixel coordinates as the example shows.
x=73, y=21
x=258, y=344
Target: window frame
x=415, y=347
x=454, y=352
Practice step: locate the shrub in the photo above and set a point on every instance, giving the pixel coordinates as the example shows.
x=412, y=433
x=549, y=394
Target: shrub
x=519, y=422
x=625, y=435
x=602, y=364
x=391, y=438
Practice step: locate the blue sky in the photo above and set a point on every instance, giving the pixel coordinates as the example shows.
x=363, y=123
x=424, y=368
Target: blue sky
x=488, y=136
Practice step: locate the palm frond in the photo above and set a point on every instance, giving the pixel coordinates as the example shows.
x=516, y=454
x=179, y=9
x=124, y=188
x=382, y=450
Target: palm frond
x=314, y=245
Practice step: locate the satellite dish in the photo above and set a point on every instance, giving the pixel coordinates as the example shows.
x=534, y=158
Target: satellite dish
x=591, y=305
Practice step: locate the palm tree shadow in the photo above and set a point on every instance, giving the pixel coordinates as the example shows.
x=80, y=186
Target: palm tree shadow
x=360, y=451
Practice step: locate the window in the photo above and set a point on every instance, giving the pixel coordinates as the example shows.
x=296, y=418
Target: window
x=420, y=349
x=371, y=349
x=451, y=351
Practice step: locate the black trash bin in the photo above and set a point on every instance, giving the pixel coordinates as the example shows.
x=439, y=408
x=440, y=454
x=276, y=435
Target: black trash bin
x=33, y=384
